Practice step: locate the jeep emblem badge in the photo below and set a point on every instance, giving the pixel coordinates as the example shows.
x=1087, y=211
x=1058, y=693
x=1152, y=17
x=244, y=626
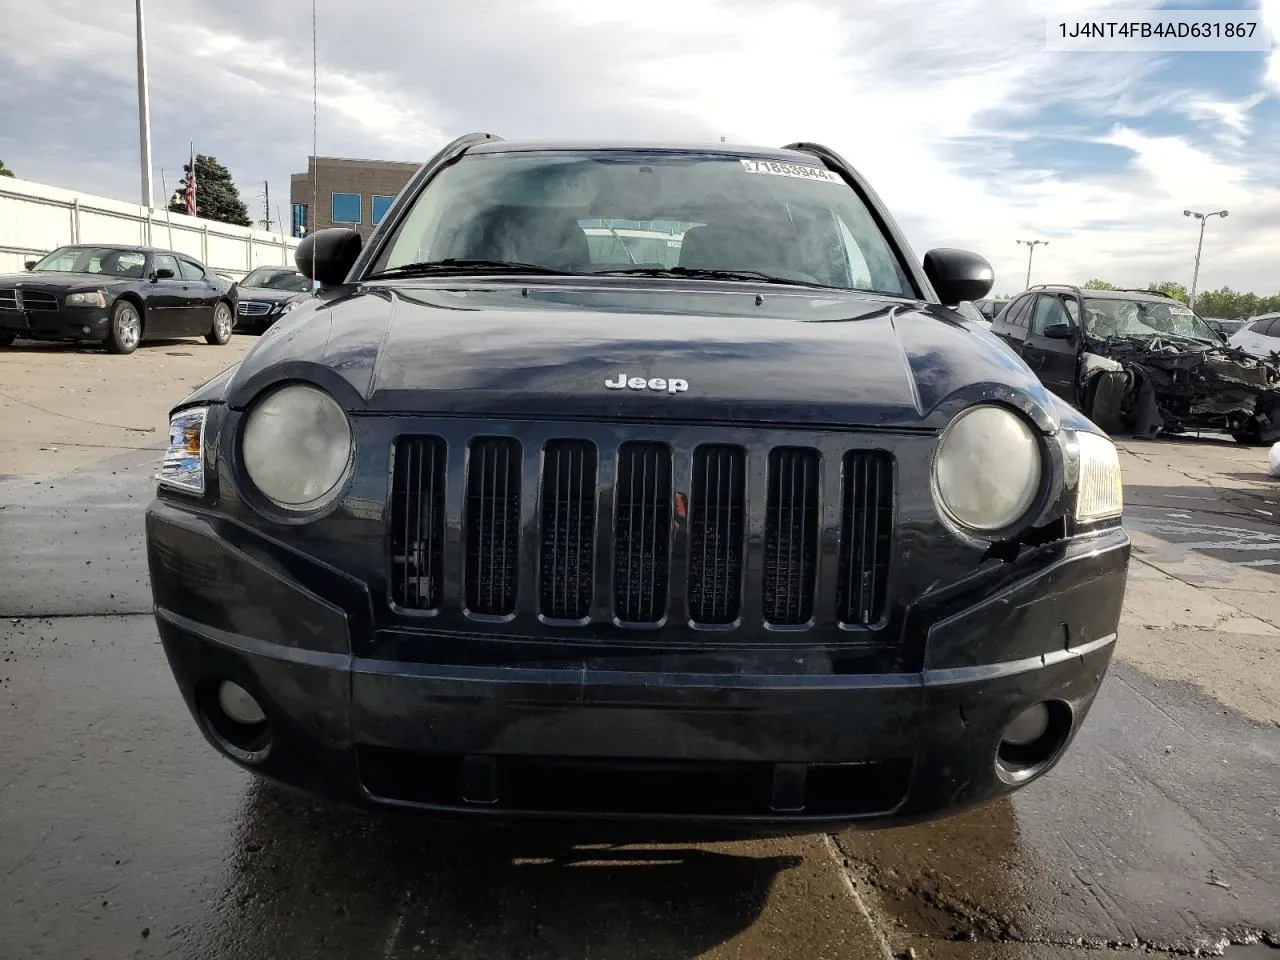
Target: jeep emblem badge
x=657, y=384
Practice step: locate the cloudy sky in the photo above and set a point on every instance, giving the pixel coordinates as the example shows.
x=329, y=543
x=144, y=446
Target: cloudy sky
x=972, y=133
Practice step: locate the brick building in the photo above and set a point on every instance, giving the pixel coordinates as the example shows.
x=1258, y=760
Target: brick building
x=345, y=193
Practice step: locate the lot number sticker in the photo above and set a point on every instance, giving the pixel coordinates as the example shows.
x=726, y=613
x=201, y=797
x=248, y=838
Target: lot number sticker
x=797, y=170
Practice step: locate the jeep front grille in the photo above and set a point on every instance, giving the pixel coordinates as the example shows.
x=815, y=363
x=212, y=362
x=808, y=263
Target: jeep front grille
x=642, y=534
x=566, y=553
x=791, y=536
x=492, y=525
x=717, y=524
x=866, y=522
x=417, y=522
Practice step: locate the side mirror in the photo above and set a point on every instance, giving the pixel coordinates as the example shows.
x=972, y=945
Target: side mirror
x=958, y=275
x=328, y=255
x=164, y=273
x=30, y=264
x=1060, y=331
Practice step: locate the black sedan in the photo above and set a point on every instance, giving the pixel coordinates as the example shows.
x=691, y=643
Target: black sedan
x=267, y=294
x=760, y=535
x=116, y=295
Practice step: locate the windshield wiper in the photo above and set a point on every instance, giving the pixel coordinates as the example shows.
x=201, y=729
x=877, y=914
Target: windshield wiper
x=695, y=273
x=459, y=265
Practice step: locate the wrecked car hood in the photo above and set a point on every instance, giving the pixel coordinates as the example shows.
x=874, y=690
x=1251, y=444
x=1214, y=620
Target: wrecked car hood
x=1179, y=384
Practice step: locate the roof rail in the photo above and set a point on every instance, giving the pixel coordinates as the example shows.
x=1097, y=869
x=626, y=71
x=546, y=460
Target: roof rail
x=1059, y=286
x=1154, y=293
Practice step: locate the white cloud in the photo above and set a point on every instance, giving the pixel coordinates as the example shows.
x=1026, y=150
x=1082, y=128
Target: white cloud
x=933, y=100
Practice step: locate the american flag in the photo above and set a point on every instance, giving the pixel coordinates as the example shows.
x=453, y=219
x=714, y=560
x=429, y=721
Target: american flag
x=190, y=195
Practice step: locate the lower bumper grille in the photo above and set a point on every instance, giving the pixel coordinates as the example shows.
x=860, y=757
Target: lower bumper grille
x=623, y=786
x=642, y=533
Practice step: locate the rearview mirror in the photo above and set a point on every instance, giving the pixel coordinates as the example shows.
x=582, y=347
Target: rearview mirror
x=164, y=273
x=327, y=256
x=1059, y=331
x=958, y=275
x=30, y=264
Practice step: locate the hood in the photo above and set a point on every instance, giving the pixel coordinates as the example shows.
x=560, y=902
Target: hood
x=682, y=351
x=62, y=281
x=270, y=294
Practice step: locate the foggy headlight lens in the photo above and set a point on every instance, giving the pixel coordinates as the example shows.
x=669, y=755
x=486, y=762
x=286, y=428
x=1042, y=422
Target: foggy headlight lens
x=183, y=465
x=1100, y=495
x=297, y=446
x=988, y=468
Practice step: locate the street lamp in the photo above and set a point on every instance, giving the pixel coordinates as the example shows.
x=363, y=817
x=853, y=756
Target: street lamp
x=1031, y=249
x=1203, y=218
x=144, y=112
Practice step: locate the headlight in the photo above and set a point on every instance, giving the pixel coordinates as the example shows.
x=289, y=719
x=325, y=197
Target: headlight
x=1100, y=495
x=988, y=468
x=183, y=465
x=93, y=298
x=289, y=306
x=297, y=447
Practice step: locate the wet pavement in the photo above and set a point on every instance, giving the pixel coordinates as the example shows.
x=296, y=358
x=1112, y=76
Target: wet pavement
x=122, y=834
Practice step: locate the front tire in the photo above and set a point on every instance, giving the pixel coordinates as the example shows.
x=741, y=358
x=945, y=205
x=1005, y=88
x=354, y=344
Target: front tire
x=125, y=332
x=223, y=322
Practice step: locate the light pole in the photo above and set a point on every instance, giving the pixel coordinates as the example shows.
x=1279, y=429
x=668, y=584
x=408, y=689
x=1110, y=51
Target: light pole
x=144, y=113
x=1203, y=218
x=1031, y=249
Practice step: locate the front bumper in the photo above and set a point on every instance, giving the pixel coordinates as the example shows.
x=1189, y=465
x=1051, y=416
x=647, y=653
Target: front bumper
x=66, y=323
x=352, y=719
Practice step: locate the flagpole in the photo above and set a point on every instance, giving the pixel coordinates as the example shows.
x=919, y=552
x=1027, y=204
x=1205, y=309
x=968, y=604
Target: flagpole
x=144, y=113
x=168, y=218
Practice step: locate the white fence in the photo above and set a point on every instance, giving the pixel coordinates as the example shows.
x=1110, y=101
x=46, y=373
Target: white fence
x=35, y=219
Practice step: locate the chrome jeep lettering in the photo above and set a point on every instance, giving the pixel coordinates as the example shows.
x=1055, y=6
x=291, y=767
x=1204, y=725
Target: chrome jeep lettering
x=670, y=385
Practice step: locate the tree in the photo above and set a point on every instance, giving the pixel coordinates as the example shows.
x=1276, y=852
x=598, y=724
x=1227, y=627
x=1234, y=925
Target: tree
x=5, y=171
x=216, y=195
x=1169, y=288
x=1096, y=284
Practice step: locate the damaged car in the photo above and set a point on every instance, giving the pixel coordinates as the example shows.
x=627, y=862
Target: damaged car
x=1142, y=363
x=507, y=524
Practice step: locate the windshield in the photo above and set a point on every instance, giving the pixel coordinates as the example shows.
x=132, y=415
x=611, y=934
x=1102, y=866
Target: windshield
x=616, y=211
x=95, y=260
x=1107, y=318
x=276, y=278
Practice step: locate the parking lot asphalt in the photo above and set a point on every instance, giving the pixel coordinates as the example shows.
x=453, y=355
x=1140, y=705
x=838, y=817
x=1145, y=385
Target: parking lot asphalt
x=122, y=834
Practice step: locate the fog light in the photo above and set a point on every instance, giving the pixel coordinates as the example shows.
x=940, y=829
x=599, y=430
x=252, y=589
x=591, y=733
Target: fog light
x=1028, y=726
x=86, y=330
x=237, y=703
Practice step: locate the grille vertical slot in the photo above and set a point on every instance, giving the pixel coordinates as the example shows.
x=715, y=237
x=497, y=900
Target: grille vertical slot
x=417, y=522
x=566, y=554
x=793, y=513
x=866, y=523
x=642, y=532
x=717, y=523
x=493, y=525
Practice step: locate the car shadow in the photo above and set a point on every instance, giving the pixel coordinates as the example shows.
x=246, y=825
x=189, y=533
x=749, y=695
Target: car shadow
x=310, y=879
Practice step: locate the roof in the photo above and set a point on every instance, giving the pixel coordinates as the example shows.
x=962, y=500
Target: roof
x=654, y=146
x=132, y=246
